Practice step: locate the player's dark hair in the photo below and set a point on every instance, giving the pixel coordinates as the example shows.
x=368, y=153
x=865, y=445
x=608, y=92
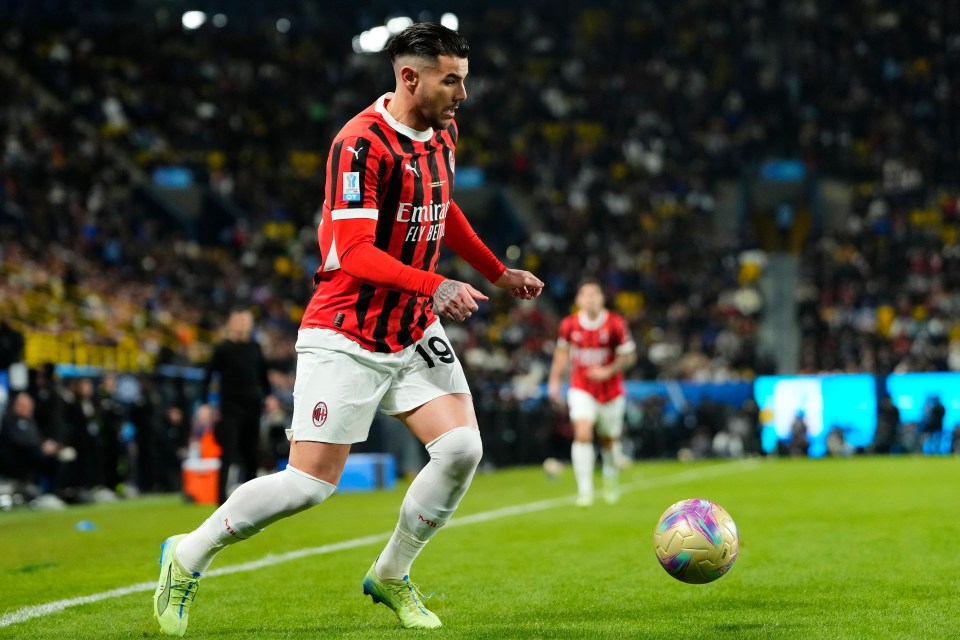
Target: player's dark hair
x=589, y=280
x=428, y=40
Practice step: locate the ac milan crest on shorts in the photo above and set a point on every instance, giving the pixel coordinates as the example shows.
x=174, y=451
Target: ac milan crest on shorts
x=319, y=414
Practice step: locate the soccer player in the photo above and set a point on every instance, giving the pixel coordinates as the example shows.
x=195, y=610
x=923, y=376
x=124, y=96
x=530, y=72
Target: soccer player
x=599, y=345
x=370, y=335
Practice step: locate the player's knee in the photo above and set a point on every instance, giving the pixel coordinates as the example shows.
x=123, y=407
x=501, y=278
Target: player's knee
x=459, y=450
x=313, y=490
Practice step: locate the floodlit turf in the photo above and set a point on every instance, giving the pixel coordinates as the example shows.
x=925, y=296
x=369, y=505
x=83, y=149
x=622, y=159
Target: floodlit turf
x=856, y=548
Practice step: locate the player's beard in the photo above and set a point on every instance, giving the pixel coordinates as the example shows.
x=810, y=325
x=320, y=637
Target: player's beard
x=434, y=112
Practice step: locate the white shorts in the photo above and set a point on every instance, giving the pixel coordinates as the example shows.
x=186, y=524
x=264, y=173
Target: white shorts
x=339, y=384
x=607, y=417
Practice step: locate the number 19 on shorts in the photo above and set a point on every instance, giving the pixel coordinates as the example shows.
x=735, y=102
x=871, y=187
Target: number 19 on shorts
x=441, y=351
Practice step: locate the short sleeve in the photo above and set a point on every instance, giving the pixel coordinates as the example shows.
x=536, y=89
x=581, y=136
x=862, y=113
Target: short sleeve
x=625, y=343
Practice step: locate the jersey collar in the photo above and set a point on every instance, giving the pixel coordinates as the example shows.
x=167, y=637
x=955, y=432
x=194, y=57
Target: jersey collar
x=592, y=325
x=413, y=134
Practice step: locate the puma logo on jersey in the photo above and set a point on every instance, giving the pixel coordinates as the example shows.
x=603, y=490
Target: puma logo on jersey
x=410, y=167
x=355, y=152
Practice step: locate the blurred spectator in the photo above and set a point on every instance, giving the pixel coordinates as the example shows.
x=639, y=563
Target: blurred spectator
x=145, y=413
x=888, y=426
x=799, y=442
x=203, y=443
x=727, y=445
x=111, y=413
x=172, y=442
x=11, y=345
x=837, y=444
x=25, y=453
x=910, y=439
x=48, y=396
x=933, y=413
x=84, y=480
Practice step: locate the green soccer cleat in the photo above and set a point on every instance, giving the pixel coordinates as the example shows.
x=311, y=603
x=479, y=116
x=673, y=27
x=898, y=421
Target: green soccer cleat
x=175, y=592
x=404, y=597
x=611, y=495
x=611, y=492
x=584, y=500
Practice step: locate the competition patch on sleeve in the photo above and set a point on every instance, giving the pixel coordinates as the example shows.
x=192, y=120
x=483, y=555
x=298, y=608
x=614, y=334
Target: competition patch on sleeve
x=351, y=186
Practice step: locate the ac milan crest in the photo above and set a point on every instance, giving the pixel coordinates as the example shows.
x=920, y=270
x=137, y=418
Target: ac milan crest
x=319, y=414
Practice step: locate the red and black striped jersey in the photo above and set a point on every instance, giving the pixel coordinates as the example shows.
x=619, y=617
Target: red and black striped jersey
x=594, y=343
x=388, y=205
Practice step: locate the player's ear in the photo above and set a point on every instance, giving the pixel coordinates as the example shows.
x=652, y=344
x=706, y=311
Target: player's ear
x=410, y=77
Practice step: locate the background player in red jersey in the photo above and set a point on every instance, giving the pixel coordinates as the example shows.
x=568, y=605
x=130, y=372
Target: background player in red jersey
x=598, y=344
x=370, y=335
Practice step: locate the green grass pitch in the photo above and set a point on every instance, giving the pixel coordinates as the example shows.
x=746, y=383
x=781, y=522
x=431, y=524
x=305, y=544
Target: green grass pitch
x=852, y=548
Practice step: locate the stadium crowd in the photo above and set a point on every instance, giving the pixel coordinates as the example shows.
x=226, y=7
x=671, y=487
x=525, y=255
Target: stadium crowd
x=614, y=151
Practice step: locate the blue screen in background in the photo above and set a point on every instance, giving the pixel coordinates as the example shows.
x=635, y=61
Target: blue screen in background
x=850, y=403
x=173, y=177
x=911, y=393
x=470, y=178
x=783, y=171
x=847, y=402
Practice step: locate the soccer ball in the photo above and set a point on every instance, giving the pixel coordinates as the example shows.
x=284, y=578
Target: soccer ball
x=696, y=541
x=552, y=467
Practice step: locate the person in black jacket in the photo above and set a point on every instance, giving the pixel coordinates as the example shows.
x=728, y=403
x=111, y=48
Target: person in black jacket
x=11, y=345
x=933, y=415
x=243, y=386
x=25, y=452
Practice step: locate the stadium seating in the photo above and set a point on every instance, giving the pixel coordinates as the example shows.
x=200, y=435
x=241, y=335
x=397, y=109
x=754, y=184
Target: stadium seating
x=617, y=149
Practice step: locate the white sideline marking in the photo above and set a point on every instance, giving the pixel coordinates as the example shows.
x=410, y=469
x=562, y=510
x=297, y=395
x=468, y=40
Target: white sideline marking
x=38, y=611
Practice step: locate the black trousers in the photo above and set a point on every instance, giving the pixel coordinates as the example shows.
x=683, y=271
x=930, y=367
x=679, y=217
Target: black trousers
x=238, y=434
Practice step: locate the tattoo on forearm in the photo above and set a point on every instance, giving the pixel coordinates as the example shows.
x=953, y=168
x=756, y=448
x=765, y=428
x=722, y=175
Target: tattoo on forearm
x=445, y=292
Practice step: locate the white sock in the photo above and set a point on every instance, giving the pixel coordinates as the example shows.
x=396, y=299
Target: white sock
x=582, y=456
x=432, y=498
x=253, y=506
x=611, y=470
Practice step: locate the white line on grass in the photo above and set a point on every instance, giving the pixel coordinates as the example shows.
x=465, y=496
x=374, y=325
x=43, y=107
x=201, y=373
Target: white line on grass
x=41, y=610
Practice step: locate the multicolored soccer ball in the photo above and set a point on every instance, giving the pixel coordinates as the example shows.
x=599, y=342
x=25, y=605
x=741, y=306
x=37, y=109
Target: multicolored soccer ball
x=696, y=541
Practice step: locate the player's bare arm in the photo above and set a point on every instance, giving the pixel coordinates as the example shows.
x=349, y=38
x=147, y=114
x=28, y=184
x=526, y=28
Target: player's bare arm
x=455, y=300
x=561, y=358
x=522, y=284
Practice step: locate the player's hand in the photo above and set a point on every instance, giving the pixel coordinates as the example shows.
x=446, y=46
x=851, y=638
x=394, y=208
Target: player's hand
x=455, y=300
x=522, y=284
x=49, y=447
x=599, y=373
x=554, y=393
